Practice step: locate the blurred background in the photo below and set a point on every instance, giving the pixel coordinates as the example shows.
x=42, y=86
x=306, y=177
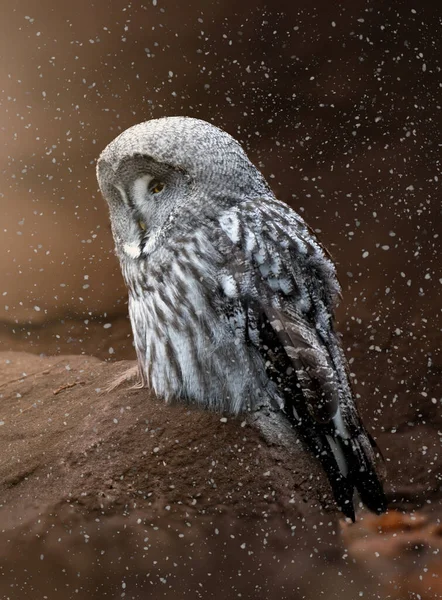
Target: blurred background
x=340, y=106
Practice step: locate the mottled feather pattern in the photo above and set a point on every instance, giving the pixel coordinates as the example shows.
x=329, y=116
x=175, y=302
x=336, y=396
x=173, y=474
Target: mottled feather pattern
x=231, y=296
x=184, y=349
x=287, y=274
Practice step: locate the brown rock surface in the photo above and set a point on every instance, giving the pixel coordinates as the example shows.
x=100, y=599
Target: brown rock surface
x=68, y=440
x=100, y=491
x=110, y=493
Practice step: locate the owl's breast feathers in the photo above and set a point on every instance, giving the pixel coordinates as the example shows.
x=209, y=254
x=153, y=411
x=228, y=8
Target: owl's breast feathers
x=186, y=348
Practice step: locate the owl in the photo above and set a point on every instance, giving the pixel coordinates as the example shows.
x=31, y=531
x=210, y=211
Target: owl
x=231, y=296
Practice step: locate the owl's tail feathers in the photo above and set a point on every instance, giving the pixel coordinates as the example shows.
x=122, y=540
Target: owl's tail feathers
x=351, y=466
x=332, y=458
x=360, y=453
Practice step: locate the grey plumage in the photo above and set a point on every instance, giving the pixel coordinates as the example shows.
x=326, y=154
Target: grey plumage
x=231, y=297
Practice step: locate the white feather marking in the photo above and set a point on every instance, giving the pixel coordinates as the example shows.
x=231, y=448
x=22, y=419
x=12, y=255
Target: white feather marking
x=302, y=246
x=132, y=250
x=277, y=325
x=229, y=286
x=264, y=269
x=230, y=225
x=286, y=285
x=250, y=242
x=139, y=189
x=273, y=283
x=259, y=257
x=123, y=194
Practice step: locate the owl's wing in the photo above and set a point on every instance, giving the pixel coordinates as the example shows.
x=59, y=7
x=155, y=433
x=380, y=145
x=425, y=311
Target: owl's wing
x=286, y=281
x=310, y=360
x=287, y=288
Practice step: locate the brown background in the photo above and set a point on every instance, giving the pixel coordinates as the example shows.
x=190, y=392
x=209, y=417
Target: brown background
x=339, y=104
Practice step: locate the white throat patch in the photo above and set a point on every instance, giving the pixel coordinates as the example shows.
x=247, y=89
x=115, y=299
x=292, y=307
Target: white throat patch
x=132, y=250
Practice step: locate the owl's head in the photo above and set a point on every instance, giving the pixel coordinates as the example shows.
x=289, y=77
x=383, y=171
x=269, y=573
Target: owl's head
x=156, y=172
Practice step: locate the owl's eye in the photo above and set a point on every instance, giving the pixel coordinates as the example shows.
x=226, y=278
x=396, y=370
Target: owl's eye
x=142, y=225
x=157, y=187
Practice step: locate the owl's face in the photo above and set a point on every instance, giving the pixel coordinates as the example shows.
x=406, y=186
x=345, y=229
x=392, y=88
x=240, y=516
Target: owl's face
x=156, y=172
x=142, y=195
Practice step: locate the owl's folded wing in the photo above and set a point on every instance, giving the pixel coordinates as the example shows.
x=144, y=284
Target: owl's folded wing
x=286, y=282
x=315, y=373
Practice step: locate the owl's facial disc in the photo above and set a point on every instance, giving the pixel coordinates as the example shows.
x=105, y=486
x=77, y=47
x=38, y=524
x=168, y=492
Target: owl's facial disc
x=142, y=190
x=143, y=195
x=147, y=201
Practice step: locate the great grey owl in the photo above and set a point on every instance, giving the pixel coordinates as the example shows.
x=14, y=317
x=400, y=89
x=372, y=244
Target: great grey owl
x=231, y=296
